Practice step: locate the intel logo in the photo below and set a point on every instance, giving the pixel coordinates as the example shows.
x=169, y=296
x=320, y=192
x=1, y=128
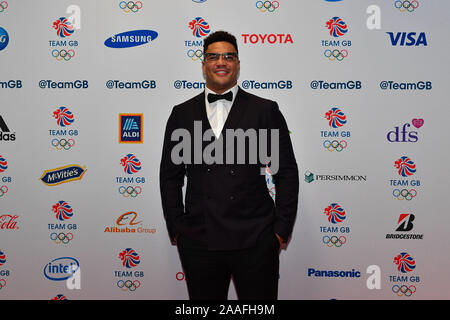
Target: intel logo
x=131, y=39
x=61, y=268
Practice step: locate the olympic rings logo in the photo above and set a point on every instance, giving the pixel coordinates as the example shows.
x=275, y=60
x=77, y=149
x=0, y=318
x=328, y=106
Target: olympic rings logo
x=335, y=145
x=406, y=5
x=3, y=191
x=195, y=55
x=3, y=6
x=63, y=54
x=404, y=290
x=61, y=237
x=130, y=6
x=180, y=276
x=61, y=144
x=404, y=194
x=267, y=6
x=130, y=191
x=2, y=283
x=128, y=285
x=334, y=241
x=335, y=54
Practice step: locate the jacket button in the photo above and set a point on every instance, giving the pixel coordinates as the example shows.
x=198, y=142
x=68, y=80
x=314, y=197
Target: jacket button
x=232, y=172
x=208, y=170
x=232, y=198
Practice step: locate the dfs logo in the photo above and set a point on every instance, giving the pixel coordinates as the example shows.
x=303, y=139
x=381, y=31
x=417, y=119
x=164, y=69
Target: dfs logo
x=405, y=135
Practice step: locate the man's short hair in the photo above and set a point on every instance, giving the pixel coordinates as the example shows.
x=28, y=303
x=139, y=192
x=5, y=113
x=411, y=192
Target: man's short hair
x=219, y=36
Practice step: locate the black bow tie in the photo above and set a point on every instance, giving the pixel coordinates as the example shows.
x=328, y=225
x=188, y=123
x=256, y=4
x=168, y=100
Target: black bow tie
x=214, y=97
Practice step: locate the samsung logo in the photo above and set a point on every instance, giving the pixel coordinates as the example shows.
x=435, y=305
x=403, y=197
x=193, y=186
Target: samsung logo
x=131, y=39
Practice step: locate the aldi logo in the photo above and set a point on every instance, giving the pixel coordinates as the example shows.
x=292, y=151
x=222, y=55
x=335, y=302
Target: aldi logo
x=131, y=128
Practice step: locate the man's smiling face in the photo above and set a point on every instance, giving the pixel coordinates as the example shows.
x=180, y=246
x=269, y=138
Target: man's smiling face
x=221, y=75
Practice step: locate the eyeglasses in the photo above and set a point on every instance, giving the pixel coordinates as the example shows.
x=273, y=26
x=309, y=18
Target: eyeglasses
x=227, y=56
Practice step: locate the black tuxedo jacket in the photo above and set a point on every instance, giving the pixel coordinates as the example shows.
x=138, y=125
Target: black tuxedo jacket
x=227, y=206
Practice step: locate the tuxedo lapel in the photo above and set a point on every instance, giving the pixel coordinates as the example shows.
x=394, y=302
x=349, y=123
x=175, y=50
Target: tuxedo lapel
x=201, y=112
x=237, y=111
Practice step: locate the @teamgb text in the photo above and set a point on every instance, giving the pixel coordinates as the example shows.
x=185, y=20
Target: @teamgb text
x=236, y=140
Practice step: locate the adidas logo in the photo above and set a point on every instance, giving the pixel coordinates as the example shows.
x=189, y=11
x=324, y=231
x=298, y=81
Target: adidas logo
x=5, y=134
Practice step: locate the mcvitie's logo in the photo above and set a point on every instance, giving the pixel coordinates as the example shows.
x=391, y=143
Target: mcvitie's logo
x=53, y=177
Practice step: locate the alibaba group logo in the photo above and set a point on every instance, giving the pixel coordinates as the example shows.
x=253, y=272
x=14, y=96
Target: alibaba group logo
x=128, y=218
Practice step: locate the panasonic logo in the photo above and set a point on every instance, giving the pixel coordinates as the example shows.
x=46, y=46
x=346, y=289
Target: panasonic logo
x=333, y=273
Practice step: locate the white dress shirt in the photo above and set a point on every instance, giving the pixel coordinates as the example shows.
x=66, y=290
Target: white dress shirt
x=218, y=111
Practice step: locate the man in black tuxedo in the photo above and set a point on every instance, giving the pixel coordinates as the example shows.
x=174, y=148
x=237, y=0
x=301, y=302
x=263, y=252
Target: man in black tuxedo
x=228, y=226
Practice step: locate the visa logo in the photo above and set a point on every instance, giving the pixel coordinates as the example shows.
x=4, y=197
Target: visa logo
x=407, y=39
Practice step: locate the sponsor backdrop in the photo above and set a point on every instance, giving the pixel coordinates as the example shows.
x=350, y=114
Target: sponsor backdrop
x=86, y=88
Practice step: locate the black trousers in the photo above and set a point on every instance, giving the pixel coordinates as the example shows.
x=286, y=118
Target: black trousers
x=253, y=270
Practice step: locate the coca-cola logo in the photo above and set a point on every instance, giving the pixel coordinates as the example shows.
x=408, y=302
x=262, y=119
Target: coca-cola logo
x=8, y=222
